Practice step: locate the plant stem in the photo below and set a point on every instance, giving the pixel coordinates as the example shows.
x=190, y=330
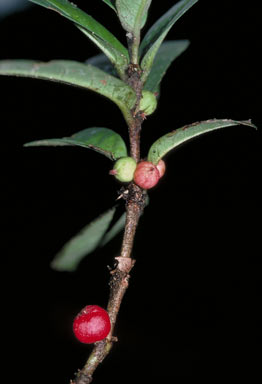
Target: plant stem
x=134, y=125
x=118, y=282
x=135, y=202
x=133, y=42
x=134, y=134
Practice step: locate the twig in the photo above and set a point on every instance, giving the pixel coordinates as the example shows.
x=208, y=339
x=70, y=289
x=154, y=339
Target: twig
x=135, y=203
x=118, y=283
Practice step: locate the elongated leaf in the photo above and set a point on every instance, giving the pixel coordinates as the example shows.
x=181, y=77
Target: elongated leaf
x=71, y=12
x=78, y=74
x=83, y=243
x=119, y=61
x=115, y=230
x=102, y=140
x=167, y=53
x=173, y=139
x=132, y=14
x=95, y=31
x=157, y=33
x=111, y=3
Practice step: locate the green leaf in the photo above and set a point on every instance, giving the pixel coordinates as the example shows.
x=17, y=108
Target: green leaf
x=173, y=139
x=102, y=140
x=96, y=234
x=95, y=31
x=78, y=74
x=157, y=33
x=111, y=3
x=168, y=52
x=83, y=243
x=115, y=230
x=71, y=12
x=132, y=14
x=119, y=61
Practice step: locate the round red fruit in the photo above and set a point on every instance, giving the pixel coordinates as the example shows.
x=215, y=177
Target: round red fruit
x=146, y=175
x=92, y=324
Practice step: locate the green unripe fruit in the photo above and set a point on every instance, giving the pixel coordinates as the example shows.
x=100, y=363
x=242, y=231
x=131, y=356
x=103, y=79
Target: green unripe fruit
x=148, y=103
x=124, y=169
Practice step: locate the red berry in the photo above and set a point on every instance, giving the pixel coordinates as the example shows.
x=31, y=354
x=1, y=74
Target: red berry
x=91, y=324
x=161, y=166
x=146, y=175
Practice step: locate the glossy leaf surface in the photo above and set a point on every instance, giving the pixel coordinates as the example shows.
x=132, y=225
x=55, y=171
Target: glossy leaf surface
x=102, y=140
x=166, y=54
x=179, y=136
x=71, y=12
x=118, y=60
x=75, y=73
x=157, y=33
x=95, y=31
x=83, y=243
x=132, y=14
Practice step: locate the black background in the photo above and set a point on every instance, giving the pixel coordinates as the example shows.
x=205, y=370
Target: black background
x=193, y=305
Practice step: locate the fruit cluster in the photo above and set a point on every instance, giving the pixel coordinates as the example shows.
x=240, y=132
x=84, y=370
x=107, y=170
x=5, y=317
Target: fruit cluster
x=145, y=174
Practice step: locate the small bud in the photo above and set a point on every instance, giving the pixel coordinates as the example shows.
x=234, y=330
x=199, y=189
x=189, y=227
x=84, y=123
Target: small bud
x=124, y=169
x=148, y=103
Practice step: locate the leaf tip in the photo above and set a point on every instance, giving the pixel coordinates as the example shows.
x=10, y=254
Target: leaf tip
x=61, y=267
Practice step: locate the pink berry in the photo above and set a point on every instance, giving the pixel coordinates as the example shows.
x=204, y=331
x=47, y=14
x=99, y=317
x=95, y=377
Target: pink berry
x=161, y=166
x=146, y=175
x=91, y=324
